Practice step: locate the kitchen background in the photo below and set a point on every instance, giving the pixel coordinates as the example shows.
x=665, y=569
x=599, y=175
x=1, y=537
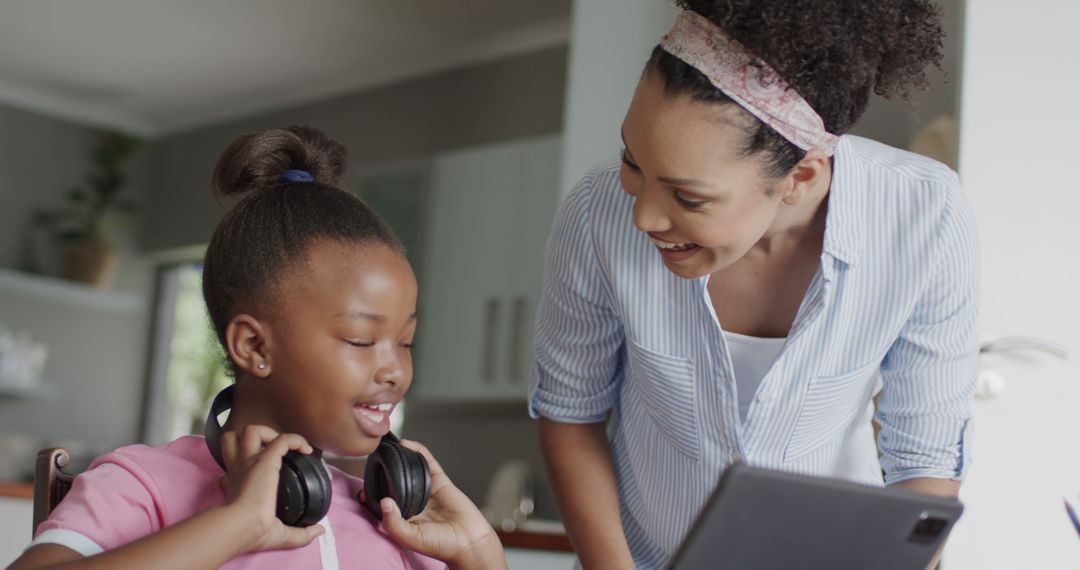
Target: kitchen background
x=465, y=122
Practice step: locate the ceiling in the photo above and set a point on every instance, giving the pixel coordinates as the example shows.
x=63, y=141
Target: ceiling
x=155, y=66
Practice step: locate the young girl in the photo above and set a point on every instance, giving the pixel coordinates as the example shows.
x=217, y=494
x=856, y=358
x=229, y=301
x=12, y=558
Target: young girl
x=315, y=305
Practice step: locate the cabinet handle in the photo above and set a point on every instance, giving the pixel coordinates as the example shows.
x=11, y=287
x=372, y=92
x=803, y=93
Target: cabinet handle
x=517, y=336
x=491, y=322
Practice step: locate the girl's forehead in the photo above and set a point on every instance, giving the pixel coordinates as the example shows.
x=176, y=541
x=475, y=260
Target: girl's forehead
x=335, y=273
x=333, y=257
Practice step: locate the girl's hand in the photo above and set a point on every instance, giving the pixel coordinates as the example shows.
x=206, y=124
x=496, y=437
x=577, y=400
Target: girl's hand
x=450, y=527
x=252, y=463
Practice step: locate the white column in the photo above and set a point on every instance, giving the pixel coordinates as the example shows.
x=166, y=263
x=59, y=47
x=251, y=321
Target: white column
x=610, y=41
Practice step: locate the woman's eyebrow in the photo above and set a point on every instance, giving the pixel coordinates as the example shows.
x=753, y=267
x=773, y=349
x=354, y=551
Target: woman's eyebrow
x=684, y=182
x=688, y=182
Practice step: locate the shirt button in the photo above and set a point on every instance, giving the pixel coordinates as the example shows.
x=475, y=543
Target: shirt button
x=763, y=397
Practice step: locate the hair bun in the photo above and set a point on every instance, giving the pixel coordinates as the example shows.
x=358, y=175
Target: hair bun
x=259, y=160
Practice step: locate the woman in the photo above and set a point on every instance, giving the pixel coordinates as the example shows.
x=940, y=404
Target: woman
x=748, y=277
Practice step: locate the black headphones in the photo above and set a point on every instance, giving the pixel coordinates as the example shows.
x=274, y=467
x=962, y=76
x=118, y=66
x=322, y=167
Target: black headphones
x=304, y=490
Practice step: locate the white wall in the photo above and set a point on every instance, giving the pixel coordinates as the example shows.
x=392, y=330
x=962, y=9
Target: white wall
x=610, y=41
x=16, y=516
x=1018, y=154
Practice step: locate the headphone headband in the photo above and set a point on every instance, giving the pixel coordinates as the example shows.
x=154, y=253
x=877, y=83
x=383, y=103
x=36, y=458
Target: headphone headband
x=223, y=401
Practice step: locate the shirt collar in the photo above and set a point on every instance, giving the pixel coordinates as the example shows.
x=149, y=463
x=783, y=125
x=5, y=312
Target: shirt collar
x=843, y=222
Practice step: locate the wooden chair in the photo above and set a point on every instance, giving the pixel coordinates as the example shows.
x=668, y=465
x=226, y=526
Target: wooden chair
x=51, y=482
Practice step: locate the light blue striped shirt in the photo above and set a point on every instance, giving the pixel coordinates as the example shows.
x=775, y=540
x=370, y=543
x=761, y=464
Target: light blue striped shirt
x=893, y=306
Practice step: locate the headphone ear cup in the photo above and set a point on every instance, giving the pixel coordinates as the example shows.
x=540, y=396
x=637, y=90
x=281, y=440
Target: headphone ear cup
x=399, y=473
x=420, y=482
x=376, y=485
x=304, y=490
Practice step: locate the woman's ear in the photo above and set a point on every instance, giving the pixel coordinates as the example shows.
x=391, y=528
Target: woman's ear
x=808, y=176
x=248, y=344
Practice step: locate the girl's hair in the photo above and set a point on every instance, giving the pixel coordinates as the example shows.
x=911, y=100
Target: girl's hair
x=832, y=52
x=268, y=232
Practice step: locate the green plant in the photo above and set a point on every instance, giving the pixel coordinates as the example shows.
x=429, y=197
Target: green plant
x=91, y=207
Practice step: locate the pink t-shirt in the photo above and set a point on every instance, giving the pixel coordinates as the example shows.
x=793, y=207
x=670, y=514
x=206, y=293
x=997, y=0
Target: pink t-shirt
x=138, y=490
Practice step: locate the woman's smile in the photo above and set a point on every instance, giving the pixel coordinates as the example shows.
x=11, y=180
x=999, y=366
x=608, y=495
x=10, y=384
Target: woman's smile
x=674, y=251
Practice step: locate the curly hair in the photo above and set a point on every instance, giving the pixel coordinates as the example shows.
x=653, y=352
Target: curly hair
x=832, y=52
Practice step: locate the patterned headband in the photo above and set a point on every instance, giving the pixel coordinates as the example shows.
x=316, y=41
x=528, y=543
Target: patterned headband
x=748, y=80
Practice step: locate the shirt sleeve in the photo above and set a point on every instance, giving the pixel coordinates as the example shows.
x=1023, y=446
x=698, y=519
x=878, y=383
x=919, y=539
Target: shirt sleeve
x=109, y=505
x=578, y=337
x=930, y=372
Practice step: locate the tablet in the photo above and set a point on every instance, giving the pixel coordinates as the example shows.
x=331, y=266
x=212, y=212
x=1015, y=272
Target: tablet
x=769, y=520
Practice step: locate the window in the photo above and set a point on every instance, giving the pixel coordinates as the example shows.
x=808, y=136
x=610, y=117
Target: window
x=188, y=367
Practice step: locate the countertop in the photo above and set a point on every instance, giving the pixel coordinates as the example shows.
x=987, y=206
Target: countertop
x=537, y=535
x=15, y=490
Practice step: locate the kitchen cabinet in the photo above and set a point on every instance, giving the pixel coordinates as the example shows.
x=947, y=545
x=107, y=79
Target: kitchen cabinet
x=488, y=214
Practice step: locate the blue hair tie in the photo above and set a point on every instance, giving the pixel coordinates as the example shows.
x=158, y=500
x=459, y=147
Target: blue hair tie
x=297, y=176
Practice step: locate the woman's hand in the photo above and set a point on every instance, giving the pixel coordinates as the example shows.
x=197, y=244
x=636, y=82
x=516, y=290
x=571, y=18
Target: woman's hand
x=450, y=527
x=252, y=465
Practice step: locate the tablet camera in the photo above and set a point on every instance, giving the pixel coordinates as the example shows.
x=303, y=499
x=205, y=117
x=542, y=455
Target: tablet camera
x=928, y=529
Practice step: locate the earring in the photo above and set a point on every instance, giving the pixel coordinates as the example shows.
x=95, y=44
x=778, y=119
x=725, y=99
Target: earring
x=262, y=365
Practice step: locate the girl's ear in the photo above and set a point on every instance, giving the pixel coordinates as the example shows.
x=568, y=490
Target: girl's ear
x=248, y=343
x=804, y=180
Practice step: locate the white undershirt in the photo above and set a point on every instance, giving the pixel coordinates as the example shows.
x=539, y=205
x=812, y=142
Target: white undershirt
x=751, y=358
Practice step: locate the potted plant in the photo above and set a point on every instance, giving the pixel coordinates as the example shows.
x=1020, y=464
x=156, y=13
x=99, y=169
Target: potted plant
x=84, y=228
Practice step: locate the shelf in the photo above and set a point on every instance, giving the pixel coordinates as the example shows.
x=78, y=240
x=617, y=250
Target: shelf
x=55, y=290
x=28, y=393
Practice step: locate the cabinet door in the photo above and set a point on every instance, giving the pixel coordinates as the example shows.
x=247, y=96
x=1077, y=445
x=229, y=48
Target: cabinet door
x=464, y=279
x=489, y=214
x=400, y=195
x=537, y=198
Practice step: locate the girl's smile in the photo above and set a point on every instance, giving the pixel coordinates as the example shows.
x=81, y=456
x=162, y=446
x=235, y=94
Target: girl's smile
x=374, y=419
